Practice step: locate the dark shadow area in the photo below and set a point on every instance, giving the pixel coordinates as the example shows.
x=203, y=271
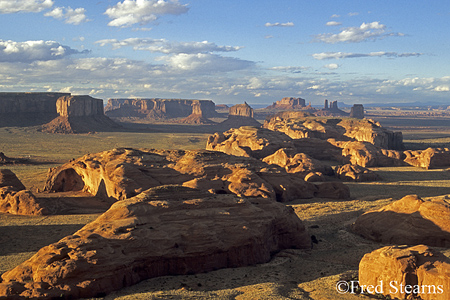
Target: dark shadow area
x=31, y=238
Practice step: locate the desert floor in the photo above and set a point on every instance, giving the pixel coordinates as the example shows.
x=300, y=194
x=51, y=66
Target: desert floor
x=291, y=274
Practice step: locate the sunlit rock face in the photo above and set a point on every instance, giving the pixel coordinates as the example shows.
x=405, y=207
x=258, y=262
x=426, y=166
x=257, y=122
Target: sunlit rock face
x=167, y=230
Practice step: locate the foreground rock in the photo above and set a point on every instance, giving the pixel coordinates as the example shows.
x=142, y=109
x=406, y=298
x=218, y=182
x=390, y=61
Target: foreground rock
x=402, y=272
x=167, y=230
x=124, y=173
x=15, y=199
x=431, y=158
x=410, y=221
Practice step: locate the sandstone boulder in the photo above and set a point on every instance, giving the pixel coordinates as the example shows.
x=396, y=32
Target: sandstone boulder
x=249, y=141
x=298, y=163
x=15, y=199
x=349, y=172
x=431, y=158
x=167, y=230
x=410, y=221
x=125, y=172
x=404, y=272
x=366, y=154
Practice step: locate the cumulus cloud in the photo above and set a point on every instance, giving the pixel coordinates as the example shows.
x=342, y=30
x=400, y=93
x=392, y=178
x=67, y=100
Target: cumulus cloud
x=277, y=24
x=367, y=31
x=332, y=66
x=333, y=23
x=71, y=16
x=9, y=6
x=167, y=47
x=206, y=63
x=130, y=12
x=339, y=55
x=11, y=51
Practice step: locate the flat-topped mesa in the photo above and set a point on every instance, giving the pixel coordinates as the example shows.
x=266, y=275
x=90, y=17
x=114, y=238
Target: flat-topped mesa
x=79, y=106
x=289, y=103
x=159, y=108
x=28, y=109
x=357, y=111
x=242, y=110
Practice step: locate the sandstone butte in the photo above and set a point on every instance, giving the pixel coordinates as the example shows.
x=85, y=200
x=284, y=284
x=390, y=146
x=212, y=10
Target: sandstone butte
x=167, y=230
x=15, y=199
x=238, y=115
x=403, y=272
x=125, y=172
x=410, y=221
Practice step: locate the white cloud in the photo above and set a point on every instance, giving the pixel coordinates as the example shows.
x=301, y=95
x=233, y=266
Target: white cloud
x=130, y=12
x=335, y=16
x=367, y=31
x=341, y=55
x=352, y=14
x=164, y=46
x=16, y=6
x=70, y=15
x=332, y=66
x=289, y=69
x=206, y=63
x=11, y=51
x=277, y=24
x=442, y=88
x=333, y=23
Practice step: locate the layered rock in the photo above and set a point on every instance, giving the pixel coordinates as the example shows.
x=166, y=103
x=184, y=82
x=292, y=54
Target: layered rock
x=410, y=221
x=28, y=109
x=124, y=173
x=15, y=199
x=357, y=111
x=79, y=114
x=431, y=158
x=288, y=103
x=349, y=172
x=157, y=108
x=167, y=230
x=239, y=115
x=404, y=272
x=366, y=154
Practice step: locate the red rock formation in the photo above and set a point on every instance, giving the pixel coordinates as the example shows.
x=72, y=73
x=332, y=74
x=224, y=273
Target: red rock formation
x=239, y=115
x=159, y=108
x=431, y=158
x=349, y=172
x=367, y=155
x=404, y=272
x=79, y=114
x=410, y=221
x=124, y=173
x=357, y=111
x=242, y=110
x=288, y=103
x=28, y=109
x=163, y=231
x=15, y=199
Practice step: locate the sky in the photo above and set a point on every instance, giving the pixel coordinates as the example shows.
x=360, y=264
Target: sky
x=229, y=51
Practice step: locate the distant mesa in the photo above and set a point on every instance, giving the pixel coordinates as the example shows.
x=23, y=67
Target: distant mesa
x=357, y=111
x=79, y=114
x=162, y=109
x=288, y=103
x=331, y=109
x=239, y=115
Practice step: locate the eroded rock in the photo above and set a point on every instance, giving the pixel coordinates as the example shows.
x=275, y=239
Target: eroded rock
x=349, y=172
x=410, y=220
x=431, y=158
x=166, y=230
x=403, y=272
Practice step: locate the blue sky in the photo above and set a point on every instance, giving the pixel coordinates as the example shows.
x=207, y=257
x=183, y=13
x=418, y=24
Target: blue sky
x=229, y=51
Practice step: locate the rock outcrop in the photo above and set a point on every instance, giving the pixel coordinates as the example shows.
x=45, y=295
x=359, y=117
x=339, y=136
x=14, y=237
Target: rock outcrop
x=15, y=199
x=124, y=173
x=79, y=114
x=157, y=108
x=431, y=158
x=28, y=109
x=357, y=111
x=288, y=103
x=403, y=272
x=167, y=230
x=349, y=172
x=239, y=115
x=366, y=154
x=409, y=221
x=331, y=110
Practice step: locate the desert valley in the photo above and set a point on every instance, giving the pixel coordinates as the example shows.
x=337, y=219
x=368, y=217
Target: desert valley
x=185, y=199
